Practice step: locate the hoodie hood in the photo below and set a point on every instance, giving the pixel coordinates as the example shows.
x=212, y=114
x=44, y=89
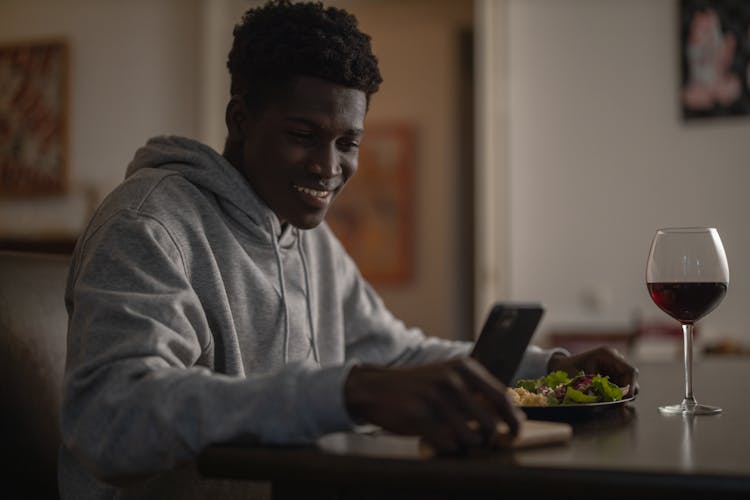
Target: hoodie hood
x=210, y=171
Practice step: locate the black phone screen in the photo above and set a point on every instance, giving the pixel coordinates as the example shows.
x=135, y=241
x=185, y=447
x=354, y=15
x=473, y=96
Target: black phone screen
x=504, y=337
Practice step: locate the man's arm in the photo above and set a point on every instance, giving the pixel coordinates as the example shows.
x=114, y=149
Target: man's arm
x=138, y=396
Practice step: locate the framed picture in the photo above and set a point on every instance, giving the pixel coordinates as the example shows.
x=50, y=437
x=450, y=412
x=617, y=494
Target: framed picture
x=373, y=215
x=715, y=58
x=33, y=118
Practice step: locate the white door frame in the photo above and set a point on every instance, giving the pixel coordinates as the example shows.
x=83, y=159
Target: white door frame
x=491, y=268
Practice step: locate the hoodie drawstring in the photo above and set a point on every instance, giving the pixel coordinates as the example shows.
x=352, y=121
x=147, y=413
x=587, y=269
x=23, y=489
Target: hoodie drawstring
x=277, y=252
x=308, y=291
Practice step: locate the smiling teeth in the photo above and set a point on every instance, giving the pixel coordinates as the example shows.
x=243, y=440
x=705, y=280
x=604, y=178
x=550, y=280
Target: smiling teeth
x=312, y=192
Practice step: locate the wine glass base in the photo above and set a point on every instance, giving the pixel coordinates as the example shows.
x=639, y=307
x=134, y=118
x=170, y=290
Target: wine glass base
x=689, y=409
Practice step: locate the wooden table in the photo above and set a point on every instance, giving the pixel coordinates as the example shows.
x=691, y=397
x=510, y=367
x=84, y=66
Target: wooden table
x=632, y=450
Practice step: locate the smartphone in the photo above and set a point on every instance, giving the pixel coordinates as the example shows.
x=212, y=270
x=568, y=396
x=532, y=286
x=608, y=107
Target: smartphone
x=504, y=337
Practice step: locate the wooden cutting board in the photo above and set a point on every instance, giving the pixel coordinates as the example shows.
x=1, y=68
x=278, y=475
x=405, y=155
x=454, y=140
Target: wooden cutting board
x=374, y=442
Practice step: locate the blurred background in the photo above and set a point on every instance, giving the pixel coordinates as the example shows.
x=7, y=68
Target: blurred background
x=547, y=143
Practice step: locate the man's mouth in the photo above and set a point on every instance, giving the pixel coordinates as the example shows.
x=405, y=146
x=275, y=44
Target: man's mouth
x=312, y=192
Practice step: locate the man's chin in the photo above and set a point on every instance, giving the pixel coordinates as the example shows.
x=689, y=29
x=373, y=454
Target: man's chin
x=309, y=222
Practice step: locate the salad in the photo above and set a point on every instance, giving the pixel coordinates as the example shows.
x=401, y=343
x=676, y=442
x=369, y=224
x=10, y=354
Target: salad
x=557, y=388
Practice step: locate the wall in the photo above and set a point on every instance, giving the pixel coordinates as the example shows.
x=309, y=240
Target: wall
x=134, y=73
x=599, y=158
x=416, y=42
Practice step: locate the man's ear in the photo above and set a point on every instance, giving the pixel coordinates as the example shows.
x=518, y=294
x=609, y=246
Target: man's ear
x=236, y=117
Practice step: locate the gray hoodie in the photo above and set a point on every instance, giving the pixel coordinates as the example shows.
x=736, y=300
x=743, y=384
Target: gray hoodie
x=194, y=318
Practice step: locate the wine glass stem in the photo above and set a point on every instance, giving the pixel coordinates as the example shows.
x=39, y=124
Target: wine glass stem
x=687, y=333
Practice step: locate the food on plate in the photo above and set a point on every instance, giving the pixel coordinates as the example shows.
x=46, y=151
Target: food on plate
x=557, y=388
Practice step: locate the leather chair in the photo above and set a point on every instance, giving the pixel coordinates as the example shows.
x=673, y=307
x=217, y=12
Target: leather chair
x=33, y=326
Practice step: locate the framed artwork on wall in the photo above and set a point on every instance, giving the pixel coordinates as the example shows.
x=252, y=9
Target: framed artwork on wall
x=373, y=216
x=715, y=58
x=34, y=118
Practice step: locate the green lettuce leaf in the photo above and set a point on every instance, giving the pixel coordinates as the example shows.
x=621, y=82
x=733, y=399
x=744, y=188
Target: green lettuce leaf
x=555, y=378
x=606, y=390
x=573, y=396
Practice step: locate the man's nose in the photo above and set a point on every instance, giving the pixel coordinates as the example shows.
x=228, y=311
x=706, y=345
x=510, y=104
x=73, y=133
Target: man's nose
x=326, y=162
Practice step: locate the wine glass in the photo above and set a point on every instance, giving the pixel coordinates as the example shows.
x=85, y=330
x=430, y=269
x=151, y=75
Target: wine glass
x=687, y=277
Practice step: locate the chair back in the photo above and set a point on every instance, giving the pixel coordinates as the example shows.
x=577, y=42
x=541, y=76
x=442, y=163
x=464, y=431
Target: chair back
x=33, y=326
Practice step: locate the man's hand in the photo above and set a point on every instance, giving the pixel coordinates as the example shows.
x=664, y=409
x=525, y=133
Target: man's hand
x=602, y=360
x=454, y=405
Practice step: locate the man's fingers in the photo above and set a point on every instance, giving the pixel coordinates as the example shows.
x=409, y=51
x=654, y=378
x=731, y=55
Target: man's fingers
x=455, y=429
x=495, y=394
x=473, y=422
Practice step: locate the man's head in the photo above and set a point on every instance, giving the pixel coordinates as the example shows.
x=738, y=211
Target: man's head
x=302, y=77
x=282, y=40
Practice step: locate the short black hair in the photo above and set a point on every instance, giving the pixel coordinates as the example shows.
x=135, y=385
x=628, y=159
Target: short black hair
x=281, y=40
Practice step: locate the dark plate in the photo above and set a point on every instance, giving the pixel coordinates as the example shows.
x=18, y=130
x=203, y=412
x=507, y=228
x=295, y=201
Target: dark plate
x=567, y=413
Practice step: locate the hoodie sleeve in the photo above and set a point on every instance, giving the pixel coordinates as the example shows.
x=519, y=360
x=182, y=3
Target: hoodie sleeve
x=138, y=398
x=374, y=335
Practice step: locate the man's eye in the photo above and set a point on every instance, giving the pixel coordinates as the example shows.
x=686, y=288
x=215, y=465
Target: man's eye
x=301, y=136
x=348, y=145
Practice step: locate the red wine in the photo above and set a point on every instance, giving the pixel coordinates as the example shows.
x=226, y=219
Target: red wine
x=687, y=302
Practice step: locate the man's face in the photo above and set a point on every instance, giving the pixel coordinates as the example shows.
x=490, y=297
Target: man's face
x=301, y=149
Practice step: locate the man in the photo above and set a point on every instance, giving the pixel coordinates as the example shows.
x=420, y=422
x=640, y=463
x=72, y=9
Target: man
x=208, y=301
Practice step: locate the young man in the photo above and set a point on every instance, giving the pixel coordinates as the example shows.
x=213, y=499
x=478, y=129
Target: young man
x=208, y=301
